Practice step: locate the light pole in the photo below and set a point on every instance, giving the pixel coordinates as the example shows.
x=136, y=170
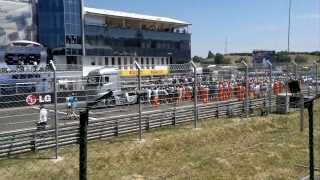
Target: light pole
x=289, y=25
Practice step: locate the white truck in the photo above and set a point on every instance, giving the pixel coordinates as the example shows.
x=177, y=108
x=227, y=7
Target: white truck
x=104, y=88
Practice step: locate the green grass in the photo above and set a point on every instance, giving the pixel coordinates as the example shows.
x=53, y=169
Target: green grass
x=259, y=148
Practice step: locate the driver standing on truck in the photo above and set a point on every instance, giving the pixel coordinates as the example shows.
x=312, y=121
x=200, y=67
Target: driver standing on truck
x=72, y=104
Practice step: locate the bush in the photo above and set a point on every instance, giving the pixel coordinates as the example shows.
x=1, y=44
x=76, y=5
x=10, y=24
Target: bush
x=301, y=59
x=219, y=59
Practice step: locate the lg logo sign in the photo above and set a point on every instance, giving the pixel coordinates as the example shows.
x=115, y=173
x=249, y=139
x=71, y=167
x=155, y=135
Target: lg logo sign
x=33, y=99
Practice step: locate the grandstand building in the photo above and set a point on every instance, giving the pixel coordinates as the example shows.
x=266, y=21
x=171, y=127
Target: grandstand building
x=109, y=38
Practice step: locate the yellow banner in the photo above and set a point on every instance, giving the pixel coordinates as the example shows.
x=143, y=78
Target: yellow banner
x=144, y=72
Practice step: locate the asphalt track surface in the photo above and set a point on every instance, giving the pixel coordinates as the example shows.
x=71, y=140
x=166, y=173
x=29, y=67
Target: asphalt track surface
x=20, y=118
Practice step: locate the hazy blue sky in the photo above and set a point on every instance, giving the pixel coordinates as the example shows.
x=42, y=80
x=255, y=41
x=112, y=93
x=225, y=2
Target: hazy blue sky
x=248, y=24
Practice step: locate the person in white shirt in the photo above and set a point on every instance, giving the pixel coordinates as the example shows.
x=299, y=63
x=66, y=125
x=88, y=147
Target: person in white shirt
x=149, y=93
x=43, y=119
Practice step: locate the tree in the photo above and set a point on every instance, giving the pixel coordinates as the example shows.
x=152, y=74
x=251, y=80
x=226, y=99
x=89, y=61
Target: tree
x=197, y=59
x=301, y=59
x=210, y=55
x=283, y=57
x=219, y=59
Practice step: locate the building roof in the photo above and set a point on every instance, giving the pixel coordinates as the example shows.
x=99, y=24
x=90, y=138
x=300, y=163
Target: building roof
x=133, y=16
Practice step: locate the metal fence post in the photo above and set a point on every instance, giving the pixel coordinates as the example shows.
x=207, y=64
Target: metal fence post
x=195, y=91
x=287, y=93
x=247, y=89
x=55, y=107
x=139, y=99
x=316, y=78
x=83, y=140
x=270, y=87
x=301, y=106
x=295, y=70
x=301, y=111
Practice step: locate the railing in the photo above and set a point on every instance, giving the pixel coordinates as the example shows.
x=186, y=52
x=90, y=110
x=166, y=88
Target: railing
x=199, y=101
x=28, y=140
x=94, y=30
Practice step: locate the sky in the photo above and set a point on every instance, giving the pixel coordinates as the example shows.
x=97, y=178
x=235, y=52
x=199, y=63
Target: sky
x=245, y=24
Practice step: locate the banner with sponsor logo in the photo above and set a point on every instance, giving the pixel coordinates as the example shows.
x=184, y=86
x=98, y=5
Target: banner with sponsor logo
x=32, y=100
x=16, y=19
x=144, y=72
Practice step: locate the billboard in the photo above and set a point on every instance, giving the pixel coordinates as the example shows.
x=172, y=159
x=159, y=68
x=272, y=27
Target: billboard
x=16, y=21
x=261, y=57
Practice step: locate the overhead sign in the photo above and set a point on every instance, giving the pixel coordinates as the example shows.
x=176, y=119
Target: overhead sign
x=16, y=19
x=260, y=57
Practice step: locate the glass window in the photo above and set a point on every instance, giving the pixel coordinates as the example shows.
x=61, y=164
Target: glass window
x=106, y=61
x=100, y=62
x=119, y=62
x=147, y=63
x=112, y=61
x=153, y=63
x=125, y=63
x=106, y=79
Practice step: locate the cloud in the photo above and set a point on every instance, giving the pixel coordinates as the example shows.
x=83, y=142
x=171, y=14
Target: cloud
x=312, y=16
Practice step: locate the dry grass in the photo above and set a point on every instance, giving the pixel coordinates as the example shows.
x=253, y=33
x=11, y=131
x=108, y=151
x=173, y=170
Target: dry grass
x=259, y=148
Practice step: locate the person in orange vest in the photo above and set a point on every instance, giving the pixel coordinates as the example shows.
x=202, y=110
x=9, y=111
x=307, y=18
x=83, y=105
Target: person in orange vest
x=281, y=87
x=221, y=92
x=183, y=93
x=237, y=91
x=205, y=94
x=276, y=88
x=179, y=94
x=242, y=91
x=229, y=90
x=155, y=97
x=201, y=93
x=225, y=91
x=188, y=93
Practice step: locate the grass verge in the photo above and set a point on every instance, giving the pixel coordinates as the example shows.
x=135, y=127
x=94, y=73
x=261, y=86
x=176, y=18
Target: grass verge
x=259, y=148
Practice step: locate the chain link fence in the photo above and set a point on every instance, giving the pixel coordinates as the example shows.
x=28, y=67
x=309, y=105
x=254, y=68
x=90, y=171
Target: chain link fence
x=132, y=99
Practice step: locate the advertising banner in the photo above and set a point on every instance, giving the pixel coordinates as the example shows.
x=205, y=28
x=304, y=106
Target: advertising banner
x=16, y=19
x=144, y=72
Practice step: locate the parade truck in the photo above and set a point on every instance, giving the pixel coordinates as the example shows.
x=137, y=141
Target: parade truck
x=115, y=87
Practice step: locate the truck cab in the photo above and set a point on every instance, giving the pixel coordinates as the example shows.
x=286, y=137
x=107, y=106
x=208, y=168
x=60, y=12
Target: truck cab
x=104, y=85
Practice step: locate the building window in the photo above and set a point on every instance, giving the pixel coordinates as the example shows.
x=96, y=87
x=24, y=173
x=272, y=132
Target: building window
x=162, y=61
x=106, y=79
x=100, y=61
x=131, y=60
x=147, y=63
x=152, y=63
x=93, y=62
x=106, y=61
x=119, y=62
x=131, y=63
x=125, y=63
x=113, y=61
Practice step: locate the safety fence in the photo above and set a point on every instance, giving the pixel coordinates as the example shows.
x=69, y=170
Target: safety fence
x=122, y=103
